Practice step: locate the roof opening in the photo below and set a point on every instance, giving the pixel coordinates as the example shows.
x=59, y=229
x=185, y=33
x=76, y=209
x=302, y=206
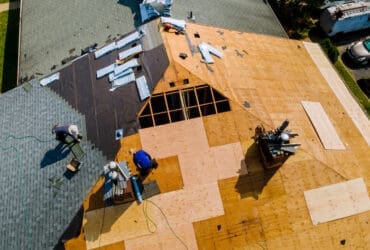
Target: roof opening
x=181, y=105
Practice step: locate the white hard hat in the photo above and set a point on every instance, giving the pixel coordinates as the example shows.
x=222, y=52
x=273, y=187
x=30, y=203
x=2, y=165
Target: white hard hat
x=112, y=165
x=113, y=175
x=284, y=136
x=73, y=129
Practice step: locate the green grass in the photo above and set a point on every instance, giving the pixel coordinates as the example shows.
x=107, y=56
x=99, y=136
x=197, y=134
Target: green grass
x=9, y=22
x=352, y=85
x=7, y=1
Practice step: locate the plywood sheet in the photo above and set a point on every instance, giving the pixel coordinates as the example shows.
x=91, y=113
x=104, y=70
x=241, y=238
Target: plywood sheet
x=175, y=138
x=167, y=175
x=337, y=201
x=220, y=124
x=324, y=128
x=229, y=160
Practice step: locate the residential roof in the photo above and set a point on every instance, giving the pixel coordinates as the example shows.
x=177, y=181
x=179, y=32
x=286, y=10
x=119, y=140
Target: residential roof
x=55, y=30
x=226, y=199
x=40, y=199
x=214, y=190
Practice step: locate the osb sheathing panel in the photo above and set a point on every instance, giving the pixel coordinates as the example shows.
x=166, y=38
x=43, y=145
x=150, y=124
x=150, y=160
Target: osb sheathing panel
x=175, y=138
x=167, y=175
x=337, y=201
x=220, y=129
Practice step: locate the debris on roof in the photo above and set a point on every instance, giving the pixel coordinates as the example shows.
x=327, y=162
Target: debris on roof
x=142, y=87
x=105, y=50
x=130, y=64
x=122, y=81
x=150, y=9
x=49, y=79
x=183, y=55
x=130, y=52
x=176, y=24
x=113, y=77
x=105, y=71
x=206, y=50
x=129, y=39
x=118, y=44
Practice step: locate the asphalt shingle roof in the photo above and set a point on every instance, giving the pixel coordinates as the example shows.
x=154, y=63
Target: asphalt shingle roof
x=38, y=200
x=54, y=30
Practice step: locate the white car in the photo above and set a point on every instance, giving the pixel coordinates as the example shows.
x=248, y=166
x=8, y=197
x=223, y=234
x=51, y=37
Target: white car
x=359, y=52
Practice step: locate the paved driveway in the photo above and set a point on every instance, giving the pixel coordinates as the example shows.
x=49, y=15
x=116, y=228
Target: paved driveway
x=358, y=72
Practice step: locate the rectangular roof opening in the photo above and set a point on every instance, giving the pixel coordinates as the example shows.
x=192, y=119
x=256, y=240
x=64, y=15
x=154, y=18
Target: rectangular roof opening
x=181, y=105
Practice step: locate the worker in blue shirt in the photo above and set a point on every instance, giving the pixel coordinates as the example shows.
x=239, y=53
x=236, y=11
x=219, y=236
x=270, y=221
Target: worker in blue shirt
x=144, y=161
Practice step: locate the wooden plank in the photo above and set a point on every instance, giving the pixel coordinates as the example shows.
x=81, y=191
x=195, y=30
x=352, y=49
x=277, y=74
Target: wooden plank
x=337, y=201
x=324, y=128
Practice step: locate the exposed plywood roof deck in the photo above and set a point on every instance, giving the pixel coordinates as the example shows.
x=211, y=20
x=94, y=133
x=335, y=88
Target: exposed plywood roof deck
x=323, y=126
x=262, y=208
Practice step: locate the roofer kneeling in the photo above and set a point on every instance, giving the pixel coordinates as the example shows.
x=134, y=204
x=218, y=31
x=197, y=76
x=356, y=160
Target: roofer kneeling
x=61, y=132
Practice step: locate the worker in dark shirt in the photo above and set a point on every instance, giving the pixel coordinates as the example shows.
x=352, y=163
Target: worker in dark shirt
x=61, y=132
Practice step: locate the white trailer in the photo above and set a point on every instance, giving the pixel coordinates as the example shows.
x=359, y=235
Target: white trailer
x=345, y=17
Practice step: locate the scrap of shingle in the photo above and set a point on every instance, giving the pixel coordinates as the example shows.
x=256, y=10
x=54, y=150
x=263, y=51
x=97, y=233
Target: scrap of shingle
x=45, y=81
x=105, y=50
x=123, y=81
x=128, y=39
x=130, y=64
x=105, y=71
x=130, y=52
x=142, y=87
x=113, y=77
x=176, y=22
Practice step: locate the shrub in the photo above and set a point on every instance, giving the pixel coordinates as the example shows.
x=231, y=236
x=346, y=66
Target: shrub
x=330, y=50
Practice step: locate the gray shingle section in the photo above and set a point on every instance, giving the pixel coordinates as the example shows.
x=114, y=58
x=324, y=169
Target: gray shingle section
x=254, y=16
x=34, y=212
x=53, y=28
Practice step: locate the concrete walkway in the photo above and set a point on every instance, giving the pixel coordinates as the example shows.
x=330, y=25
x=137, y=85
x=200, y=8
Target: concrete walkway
x=9, y=6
